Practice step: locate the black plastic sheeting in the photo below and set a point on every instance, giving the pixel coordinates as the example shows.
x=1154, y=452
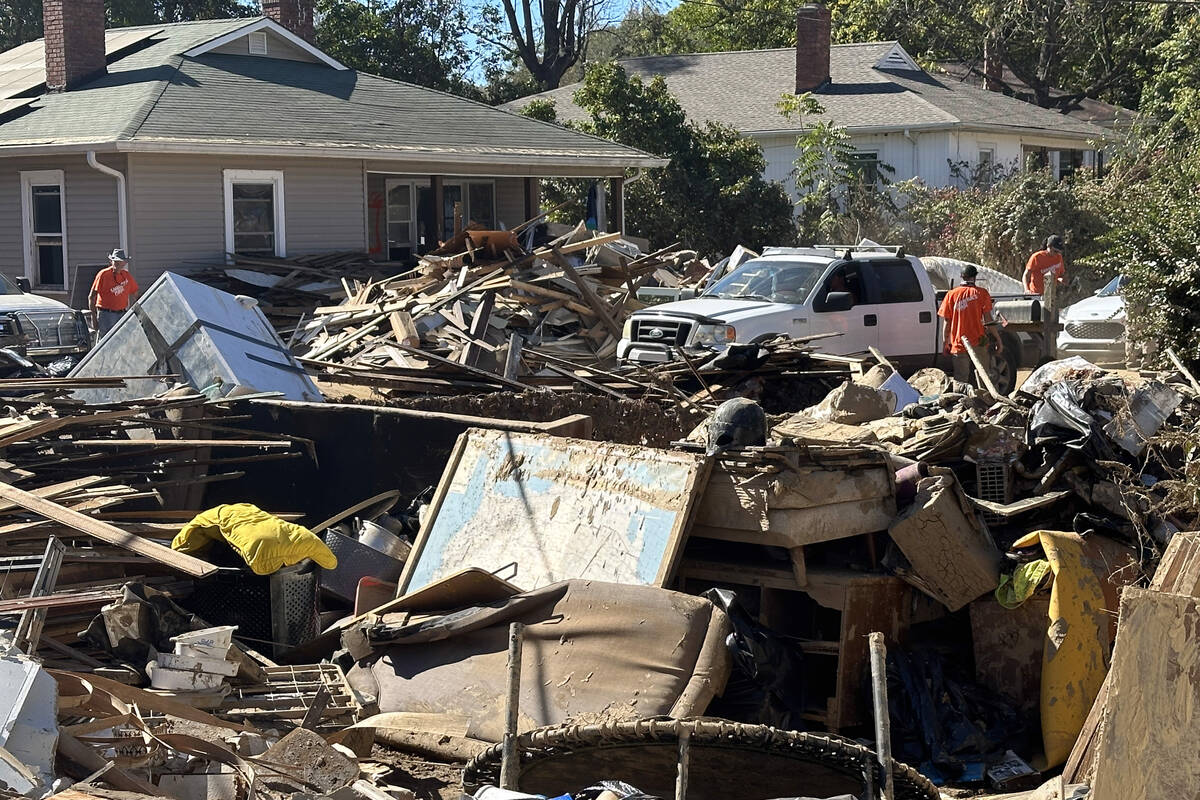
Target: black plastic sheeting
x=940, y=716
x=766, y=685
x=1060, y=418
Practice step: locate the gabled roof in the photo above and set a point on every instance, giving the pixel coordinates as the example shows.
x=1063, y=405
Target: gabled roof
x=875, y=87
x=158, y=98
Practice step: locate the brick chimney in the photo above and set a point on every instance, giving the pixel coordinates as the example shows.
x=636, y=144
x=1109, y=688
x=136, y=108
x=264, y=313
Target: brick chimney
x=74, y=31
x=993, y=67
x=812, y=47
x=295, y=15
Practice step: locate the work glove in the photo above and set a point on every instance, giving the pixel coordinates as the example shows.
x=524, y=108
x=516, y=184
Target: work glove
x=265, y=542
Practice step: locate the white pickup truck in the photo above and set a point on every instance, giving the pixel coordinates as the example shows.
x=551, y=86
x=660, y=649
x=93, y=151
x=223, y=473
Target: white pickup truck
x=874, y=297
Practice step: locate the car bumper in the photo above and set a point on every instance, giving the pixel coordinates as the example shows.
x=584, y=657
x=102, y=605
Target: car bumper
x=1097, y=351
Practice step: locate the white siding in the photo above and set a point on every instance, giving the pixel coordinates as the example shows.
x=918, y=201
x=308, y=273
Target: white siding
x=91, y=200
x=179, y=208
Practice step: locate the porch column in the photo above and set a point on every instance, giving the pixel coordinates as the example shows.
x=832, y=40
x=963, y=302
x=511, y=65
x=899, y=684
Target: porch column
x=616, y=187
x=601, y=207
x=439, y=205
x=533, y=205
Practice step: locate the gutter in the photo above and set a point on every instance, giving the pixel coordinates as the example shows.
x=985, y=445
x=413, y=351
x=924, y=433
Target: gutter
x=122, y=201
x=572, y=164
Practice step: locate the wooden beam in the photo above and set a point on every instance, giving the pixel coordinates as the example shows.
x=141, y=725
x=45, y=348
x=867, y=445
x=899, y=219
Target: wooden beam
x=97, y=529
x=589, y=294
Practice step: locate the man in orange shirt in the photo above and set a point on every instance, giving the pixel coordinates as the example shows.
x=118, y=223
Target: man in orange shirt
x=1045, y=264
x=112, y=292
x=967, y=309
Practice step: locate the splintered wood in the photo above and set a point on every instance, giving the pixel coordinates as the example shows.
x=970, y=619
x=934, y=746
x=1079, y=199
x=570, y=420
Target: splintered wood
x=476, y=314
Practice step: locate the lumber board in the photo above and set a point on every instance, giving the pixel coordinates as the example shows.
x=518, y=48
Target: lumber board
x=98, y=529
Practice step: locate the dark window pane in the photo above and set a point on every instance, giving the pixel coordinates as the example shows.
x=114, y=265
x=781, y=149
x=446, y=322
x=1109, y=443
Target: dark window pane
x=254, y=191
x=450, y=196
x=479, y=204
x=897, y=282
x=866, y=166
x=50, y=265
x=254, y=243
x=47, y=209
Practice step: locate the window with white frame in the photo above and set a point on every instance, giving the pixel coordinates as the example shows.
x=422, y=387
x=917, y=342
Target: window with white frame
x=985, y=168
x=254, y=215
x=44, y=222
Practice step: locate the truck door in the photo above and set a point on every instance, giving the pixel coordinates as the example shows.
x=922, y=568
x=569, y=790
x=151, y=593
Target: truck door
x=907, y=323
x=859, y=326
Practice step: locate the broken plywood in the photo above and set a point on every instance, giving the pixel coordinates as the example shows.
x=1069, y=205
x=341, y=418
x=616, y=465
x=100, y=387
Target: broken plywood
x=556, y=508
x=952, y=555
x=1152, y=721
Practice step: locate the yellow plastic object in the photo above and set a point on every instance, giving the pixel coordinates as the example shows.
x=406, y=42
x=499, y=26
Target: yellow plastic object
x=1083, y=602
x=265, y=542
x=1015, y=589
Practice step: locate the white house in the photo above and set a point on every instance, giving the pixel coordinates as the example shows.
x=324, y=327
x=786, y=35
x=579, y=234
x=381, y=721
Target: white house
x=896, y=113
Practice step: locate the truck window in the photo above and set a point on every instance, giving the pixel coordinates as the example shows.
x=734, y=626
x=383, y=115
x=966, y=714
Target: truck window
x=896, y=282
x=846, y=278
x=775, y=280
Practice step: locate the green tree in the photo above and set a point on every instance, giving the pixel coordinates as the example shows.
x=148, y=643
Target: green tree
x=1171, y=94
x=723, y=25
x=711, y=196
x=420, y=41
x=126, y=13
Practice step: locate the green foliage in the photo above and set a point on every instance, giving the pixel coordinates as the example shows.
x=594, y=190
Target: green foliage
x=1153, y=214
x=419, y=41
x=712, y=195
x=1172, y=91
x=725, y=25
x=126, y=13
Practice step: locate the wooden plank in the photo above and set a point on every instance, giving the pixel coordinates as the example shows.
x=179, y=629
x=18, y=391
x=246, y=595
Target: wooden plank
x=404, y=328
x=57, y=490
x=151, y=444
x=98, y=529
x=589, y=294
x=479, y=326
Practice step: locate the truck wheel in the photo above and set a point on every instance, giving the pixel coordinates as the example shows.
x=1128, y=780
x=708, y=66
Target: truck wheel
x=1006, y=364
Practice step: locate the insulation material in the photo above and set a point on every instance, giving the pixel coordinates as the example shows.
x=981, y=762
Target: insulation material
x=952, y=556
x=593, y=652
x=213, y=340
x=1079, y=633
x=554, y=508
x=1152, y=721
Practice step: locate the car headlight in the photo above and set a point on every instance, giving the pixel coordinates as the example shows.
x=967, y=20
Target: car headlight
x=715, y=335
x=627, y=330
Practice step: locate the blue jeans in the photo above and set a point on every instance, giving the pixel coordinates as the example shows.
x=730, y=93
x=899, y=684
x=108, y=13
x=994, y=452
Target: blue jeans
x=105, y=320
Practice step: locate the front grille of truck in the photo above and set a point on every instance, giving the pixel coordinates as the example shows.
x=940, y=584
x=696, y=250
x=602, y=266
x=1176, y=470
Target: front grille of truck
x=52, y=329
x=675, y=332
x=1107, y=331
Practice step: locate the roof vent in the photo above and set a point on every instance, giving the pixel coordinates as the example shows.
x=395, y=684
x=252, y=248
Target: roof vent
x=898, y=59
x=258, y=44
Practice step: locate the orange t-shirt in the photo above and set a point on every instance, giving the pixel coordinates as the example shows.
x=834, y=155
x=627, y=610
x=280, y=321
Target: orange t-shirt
x=1041, y=265
x=963, y=309
x=113, y=289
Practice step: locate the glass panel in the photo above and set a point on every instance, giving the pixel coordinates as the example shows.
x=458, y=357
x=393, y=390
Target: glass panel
x=450, y=196
x=47, y=209
x=50, y=264
x=400, y=203
x=253, y=211
x=261, y=244
x=399, y=233
x=898, y=282
x=481, y=203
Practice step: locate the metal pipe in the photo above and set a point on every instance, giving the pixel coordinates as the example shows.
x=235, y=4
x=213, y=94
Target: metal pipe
x=510, y=763
x=883, y=723
x=122, y=202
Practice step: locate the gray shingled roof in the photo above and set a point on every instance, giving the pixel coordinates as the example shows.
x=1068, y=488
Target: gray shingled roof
x=157, y=96
x=741, y=88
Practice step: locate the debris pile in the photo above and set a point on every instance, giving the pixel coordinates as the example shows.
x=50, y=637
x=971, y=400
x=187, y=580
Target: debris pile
x=468, y=314
x=587, y=612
